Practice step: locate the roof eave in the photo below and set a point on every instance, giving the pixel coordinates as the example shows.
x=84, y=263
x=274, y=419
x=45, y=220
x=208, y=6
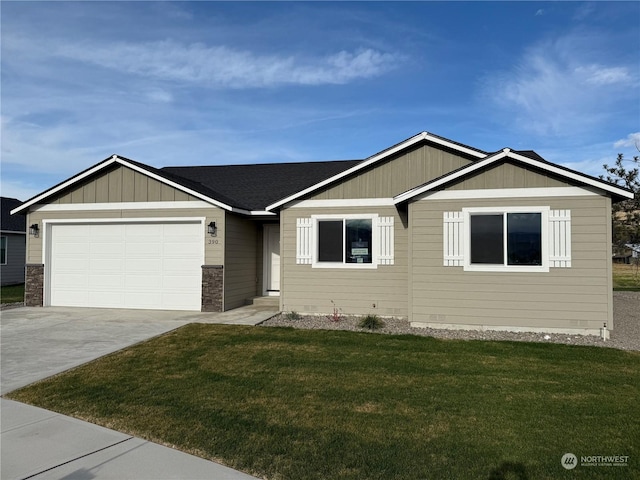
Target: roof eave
x=508, y=153
x=101, y=166
x=423, y=136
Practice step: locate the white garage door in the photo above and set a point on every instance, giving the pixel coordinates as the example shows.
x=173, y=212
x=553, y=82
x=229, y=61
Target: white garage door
x=127, y=265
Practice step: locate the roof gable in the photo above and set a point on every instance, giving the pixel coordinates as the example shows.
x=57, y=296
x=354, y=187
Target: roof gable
x=192, y=188
x=529, y=158
x=381, y=156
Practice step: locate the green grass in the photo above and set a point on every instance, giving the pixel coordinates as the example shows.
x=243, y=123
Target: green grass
x=626, y=277
x=12, y=294
x=299, y=404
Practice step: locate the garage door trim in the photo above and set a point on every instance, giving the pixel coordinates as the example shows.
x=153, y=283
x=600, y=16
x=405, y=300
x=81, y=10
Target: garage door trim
x=47, y=237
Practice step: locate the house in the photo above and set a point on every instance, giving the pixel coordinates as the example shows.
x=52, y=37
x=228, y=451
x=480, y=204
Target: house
x=439, y=232
x=12, y=243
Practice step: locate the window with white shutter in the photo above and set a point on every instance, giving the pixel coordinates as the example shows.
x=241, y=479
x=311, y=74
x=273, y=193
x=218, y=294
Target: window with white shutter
x=452, y=235
x=304, y=227
x=507, y=239
x=345, y=241
x=560, y=238
x=385, y=240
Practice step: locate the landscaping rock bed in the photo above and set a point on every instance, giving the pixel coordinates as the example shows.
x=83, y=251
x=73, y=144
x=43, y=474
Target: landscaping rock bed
x=626, y=335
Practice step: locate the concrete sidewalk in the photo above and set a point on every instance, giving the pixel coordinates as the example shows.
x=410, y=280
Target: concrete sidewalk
x=40, y=342
x=39, y=444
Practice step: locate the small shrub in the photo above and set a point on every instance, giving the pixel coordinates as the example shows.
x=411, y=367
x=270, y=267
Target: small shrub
x=371, y=322
x=336, y=315
x=293, y=315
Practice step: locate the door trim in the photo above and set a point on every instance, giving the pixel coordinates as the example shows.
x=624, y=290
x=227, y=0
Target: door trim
x=47, y=238
x=266, y=264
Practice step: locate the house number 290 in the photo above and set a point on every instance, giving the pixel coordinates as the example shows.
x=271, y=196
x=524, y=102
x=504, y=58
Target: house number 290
x=212, y=241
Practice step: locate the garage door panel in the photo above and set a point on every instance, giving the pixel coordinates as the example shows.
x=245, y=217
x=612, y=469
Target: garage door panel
x=105, y=265
x=146, y=265
x=102, y=282
x=106, y=298
x=143, y=283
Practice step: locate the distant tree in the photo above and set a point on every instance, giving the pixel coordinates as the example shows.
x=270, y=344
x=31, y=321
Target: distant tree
x=625, y=214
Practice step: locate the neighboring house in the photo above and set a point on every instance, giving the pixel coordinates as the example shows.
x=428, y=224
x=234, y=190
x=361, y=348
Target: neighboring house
x=12, y=243
x=430, y=229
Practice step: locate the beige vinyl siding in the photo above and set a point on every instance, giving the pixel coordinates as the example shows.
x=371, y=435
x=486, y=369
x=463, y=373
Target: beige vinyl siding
x=579, y=297
x=396, y=175
x=508, y=175
x=121, y=184
x=241, y=257
x=214, y=253
x=354, y=291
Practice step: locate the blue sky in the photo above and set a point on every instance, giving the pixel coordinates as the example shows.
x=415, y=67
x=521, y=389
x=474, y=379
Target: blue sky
x=190, y=83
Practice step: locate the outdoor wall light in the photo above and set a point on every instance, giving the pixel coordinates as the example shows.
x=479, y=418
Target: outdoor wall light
x=213, y=229
x=34, y=230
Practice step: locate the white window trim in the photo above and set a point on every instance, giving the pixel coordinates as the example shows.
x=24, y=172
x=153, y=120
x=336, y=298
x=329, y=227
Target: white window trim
x=6, y=250
x=357, y=216
x=466, y=235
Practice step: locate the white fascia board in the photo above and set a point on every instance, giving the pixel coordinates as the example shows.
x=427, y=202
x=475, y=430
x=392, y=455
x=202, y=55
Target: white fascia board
x=511, y=193
x=105, y=164
x=529, y=161
x=258, y=213
x=344, y=202
x=173, y=184
x=64, y=185
x=61, y=207
x=573, y=175
x=376, y=158
x=447, y=178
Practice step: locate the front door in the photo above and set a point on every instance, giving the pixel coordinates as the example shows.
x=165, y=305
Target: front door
x=272, y=259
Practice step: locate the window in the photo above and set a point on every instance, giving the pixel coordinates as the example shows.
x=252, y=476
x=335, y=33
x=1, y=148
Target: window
x=521, y=245
x=3, y=250
x=345, y=241
x=528, y=239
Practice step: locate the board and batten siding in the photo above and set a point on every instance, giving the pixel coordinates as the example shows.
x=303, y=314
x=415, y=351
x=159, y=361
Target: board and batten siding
x=241, y=261
x=311, y=290
x=121, y=184
x=396, y=175
x=508, y=175
x=574, y=298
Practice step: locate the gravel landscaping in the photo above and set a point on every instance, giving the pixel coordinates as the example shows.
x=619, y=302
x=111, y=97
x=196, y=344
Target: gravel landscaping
x=626, y=336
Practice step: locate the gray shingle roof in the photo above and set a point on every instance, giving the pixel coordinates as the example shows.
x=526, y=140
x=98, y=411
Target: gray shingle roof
x=253, y=187
x=12, y=223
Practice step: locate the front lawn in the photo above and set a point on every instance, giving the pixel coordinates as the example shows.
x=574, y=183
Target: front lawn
x=626, y=277
x=12, y=294
x=300, y=404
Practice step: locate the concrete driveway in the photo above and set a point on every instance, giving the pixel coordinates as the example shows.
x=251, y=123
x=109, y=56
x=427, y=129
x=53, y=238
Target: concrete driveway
x=39, y=342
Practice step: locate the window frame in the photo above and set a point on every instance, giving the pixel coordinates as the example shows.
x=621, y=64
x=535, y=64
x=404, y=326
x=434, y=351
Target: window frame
x=505, y=267
x=343, y=217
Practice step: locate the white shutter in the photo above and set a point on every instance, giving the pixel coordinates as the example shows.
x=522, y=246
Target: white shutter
x=303, y=241
x=560, y=238
x=452, y=239
x=385, y=240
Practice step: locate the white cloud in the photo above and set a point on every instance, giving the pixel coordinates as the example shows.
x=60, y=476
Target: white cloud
x=539, y=13
x=222, y=66
x=632, y=140
x=599, y=75
x=555, y=90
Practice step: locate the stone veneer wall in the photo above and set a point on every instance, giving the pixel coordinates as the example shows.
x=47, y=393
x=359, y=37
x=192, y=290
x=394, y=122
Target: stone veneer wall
x=212, y=288
x=34, y=285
